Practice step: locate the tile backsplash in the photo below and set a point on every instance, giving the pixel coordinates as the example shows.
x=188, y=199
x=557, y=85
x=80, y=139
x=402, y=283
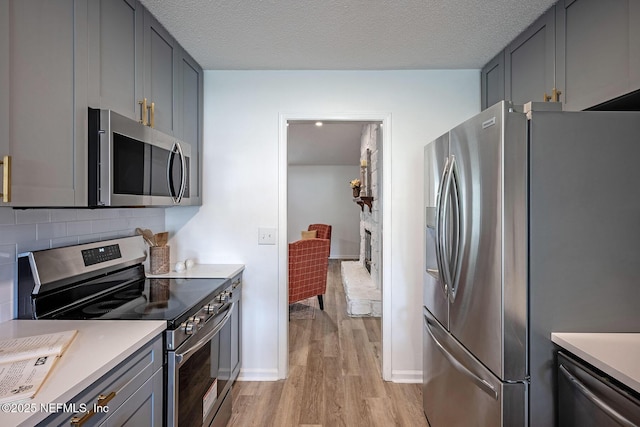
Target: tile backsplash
x=34, y=229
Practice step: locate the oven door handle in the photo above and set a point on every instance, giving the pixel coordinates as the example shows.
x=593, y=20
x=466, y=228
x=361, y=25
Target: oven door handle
x=185, y=355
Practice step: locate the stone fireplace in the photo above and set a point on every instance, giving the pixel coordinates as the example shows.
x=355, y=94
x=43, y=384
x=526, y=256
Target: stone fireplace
x=362, y=278
x=367, y=250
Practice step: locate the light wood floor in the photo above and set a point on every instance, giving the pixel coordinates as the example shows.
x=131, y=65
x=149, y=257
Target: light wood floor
x=334, y=376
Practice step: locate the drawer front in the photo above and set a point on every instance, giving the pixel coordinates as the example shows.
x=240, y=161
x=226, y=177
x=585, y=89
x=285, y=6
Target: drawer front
x=588, y=399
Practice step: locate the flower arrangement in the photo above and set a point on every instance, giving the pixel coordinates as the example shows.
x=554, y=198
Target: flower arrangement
x=355, y=183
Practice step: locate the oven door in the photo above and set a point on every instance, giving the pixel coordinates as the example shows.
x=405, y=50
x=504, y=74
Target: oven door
x=199, y=373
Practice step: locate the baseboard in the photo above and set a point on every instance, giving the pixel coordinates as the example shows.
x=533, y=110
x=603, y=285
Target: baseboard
x=344, y=257
x=406, y=377
x=258, y=375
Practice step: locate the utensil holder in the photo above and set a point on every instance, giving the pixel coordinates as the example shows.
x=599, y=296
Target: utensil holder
x=159, y=262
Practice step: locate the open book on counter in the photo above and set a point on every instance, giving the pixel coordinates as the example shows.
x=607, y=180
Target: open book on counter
x=26, y=362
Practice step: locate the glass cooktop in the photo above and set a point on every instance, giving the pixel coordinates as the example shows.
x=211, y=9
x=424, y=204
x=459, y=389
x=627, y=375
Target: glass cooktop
x=173, y=300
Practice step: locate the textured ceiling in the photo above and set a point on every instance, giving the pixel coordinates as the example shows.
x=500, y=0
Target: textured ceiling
x=344, y=34
x=334, y=143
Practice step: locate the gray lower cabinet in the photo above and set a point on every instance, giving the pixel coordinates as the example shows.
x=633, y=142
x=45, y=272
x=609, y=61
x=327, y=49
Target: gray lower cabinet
x=599, y=50
x=131, y=394
x=38, y=114
x=530, y=60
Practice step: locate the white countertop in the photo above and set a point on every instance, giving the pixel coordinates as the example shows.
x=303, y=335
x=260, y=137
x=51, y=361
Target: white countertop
x=203, y=271
x=99, y=347
x=616, y=354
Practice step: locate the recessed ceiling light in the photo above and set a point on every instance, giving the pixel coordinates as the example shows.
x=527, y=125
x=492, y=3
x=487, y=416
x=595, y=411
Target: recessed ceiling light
x=318, y=124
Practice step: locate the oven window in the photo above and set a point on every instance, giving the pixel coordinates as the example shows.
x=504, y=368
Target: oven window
x=202, y=380
x=129, y=166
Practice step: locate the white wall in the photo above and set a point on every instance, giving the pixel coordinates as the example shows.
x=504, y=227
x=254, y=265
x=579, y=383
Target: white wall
x=322, y=195
x=241, y=169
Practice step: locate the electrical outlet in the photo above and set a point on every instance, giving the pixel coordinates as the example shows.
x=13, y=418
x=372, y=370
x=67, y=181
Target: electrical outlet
x=266, y=236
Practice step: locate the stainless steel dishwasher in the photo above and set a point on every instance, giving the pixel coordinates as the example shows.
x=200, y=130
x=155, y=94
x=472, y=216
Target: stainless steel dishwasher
x=588, y=398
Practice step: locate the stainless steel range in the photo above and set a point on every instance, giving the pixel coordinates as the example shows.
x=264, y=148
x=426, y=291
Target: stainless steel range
x=106, y=280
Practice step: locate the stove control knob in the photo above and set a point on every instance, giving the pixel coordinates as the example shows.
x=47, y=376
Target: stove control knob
x=223, y=297
x=197, y=320
x=189, y=327
x=210, y=308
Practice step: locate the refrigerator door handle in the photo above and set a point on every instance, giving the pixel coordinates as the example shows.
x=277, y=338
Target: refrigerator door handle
x=595, y=399
x=482, y=384
x=442, y=225
x=456, y=218
x=439, y=220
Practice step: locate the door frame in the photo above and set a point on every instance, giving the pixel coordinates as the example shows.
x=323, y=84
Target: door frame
x=283, y=288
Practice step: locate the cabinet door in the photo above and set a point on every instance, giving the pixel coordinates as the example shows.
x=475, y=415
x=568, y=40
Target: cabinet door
x=492, y=81
x=634, y=44
x=594, y=51
x=188, y=111
x=143, y=408
x=529, y=62
x=115, y=60
x=37, y=108
x=160, y=54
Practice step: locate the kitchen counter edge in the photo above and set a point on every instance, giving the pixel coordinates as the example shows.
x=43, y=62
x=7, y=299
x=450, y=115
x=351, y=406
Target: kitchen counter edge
x=202, y=271
x=100, y=346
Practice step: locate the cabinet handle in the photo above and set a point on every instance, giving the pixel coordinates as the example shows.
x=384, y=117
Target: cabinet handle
x=102, y=401
x=143, y=111
x=554, y=97
x=152, y=115
x=6, y=179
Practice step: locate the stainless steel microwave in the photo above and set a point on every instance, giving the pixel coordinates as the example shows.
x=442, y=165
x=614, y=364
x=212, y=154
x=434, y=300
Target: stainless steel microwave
x=131, y=164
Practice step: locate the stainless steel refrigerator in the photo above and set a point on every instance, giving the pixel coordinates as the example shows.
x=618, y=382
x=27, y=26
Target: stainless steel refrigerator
x=532, y=225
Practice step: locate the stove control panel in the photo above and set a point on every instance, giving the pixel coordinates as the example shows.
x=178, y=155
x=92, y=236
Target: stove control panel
x=101, y=254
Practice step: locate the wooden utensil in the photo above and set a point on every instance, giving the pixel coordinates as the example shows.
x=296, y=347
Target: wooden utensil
x=161, y=238
x=147, y=235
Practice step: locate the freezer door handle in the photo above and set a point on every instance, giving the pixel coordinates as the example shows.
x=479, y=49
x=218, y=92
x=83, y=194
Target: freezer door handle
x=591, y=396
x=482, y=384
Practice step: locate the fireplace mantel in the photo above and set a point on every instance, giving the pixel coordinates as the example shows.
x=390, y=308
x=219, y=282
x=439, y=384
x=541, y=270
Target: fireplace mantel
x=364, y=200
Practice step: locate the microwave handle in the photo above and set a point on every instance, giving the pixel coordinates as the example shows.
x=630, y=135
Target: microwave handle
x=177, y=149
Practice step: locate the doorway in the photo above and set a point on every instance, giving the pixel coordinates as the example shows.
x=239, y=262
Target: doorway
x=347, y=168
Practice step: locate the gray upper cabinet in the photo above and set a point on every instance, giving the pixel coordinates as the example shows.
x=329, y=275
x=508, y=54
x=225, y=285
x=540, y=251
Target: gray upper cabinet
x=131, y=63
x=582, y=53
x=160, y=57
x=598, y=50
x=530, y=60
x=60, y=57
x=188, y=113
x=492, y=81
x=38, y=114
x=115, y=62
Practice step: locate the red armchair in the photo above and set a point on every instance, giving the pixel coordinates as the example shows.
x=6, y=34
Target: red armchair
x=323, y=231
x=308, y=265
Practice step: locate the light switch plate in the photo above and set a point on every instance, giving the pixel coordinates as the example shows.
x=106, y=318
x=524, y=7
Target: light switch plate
x=266, y=236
